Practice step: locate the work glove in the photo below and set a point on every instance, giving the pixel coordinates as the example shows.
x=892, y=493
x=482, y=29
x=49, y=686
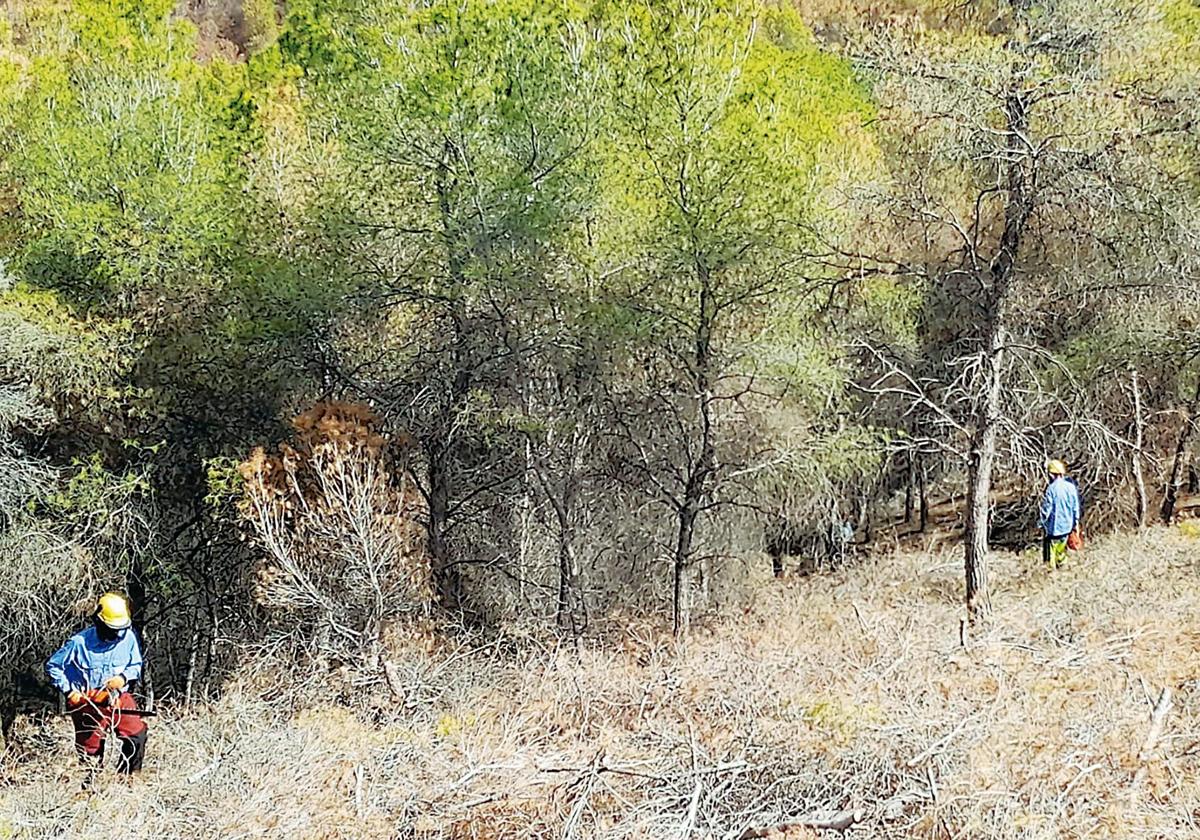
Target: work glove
x=74, y=698
x=115, y=683
x=99, y=696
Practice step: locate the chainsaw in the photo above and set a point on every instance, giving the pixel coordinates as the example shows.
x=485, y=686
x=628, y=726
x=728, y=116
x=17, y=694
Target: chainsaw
x=99, y=697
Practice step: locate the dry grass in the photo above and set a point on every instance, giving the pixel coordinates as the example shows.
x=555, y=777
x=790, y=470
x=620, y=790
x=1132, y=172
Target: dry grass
x=837, y=692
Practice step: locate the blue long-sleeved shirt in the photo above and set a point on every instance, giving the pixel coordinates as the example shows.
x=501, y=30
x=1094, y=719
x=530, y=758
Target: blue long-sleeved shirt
x=85, y=662
x=1060, y=509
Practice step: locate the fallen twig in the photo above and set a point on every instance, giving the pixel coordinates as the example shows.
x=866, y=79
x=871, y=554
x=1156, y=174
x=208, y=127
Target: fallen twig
x=581, y=802
x=693, y=809
x=828, y=820
x=392, y=678
x=940, y=743
x=1158, y=721
x=725, y=767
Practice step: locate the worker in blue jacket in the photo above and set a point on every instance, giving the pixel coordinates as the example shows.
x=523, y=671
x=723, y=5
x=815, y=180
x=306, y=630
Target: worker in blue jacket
x=94, y=669
x=1059, y=514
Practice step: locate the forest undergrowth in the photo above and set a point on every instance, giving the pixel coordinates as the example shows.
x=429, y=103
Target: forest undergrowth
x=823, y=694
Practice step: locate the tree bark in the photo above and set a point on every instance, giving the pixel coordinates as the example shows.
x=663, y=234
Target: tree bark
x=1171, y=497
x=8, y=711
x=1020, y=182
x=1139, y=479
x=923, y=493
x=570, y=608
x=447, y=580
x=982, y=461
x=525, y=519
x=569, y=614
x=910, y=479
x=699, y=476
x=446, y=577
x=681, y=588
x=190, y=675
x=560, y=488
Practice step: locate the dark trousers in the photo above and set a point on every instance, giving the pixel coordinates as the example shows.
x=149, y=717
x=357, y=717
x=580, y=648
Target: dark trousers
x=133, y=751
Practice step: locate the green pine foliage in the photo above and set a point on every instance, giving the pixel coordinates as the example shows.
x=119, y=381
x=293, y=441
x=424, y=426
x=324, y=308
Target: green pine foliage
x=555, y=245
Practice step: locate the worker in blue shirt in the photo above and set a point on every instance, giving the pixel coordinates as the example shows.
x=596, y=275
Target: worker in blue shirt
x=1059, y=514
x=94, y=669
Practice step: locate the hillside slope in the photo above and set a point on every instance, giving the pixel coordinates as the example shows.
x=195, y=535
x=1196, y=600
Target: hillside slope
x=842, y=692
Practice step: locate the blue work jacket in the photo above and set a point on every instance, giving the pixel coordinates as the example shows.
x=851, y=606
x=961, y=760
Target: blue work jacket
x=1060, y=509
x=85, y=662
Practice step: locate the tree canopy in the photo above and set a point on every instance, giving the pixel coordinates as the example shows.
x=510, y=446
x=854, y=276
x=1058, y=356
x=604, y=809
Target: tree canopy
x=629, y=293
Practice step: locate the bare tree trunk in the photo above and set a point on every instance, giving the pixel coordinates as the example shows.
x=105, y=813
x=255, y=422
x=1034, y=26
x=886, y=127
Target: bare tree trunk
x=8, y=711
x=190, y=676
x=210, y=651
x=1181, y=447
x=982, y=461
x=923, y=493
x=700, y=474
x=1139, y=480
x=909, y=481
x=681, y=617
x=569, y=614
x=525, y=520
x=1018, y=206
x=148, y=684
x=446, y=578
x=570, y=611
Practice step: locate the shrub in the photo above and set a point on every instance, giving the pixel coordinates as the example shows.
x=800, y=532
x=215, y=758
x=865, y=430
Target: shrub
x=339, y=520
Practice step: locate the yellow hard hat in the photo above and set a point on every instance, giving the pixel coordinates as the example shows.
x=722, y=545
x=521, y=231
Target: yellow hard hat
x=113, y=611
x=1056, y=467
